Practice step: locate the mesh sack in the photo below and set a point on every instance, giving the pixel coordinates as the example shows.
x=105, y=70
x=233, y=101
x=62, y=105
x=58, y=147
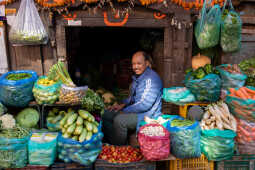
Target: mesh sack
x=72, y=95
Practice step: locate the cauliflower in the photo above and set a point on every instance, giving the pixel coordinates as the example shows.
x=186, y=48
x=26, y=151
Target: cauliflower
x=8, y=121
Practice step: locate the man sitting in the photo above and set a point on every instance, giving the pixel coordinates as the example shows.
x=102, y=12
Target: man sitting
x=144, y=100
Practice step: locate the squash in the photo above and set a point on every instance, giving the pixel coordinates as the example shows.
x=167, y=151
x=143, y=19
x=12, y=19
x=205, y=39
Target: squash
x=200, y=61
x=108, y=98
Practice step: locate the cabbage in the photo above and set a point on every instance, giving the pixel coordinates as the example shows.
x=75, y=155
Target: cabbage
x=28, y=118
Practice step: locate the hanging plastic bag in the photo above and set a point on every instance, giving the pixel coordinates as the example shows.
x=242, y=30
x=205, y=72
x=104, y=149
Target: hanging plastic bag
x=242, y=108
x=218, y=145
x=42, y=148
x=46, y=91
x=185, y=138
x=231, y=76
x=178, y=95
x=27, y=28
x=154, y=141
x=16, y=88
x=84, y=153
x=231, y=29
x=207, y=28
x=13, y=152
x=205, y=89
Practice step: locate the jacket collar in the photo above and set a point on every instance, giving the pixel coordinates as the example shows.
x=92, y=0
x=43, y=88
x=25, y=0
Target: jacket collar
x=135, y=78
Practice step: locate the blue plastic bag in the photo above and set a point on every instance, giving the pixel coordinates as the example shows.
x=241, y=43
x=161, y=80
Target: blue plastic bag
x=13, y=152
x=17, y=93
x=185, y=140
x=218, y=144
x=42, y=153
x=178, y=95
x=207, y=28
x=84, y=153
x=230, y=80
x=205, y=89
x=242, y=108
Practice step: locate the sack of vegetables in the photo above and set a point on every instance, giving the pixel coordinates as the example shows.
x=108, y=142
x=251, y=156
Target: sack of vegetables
x=231, y=29
x=154, y=141
x=207, y=28
x=27, y=28
x=46, y=91
x=204, y=84
x=241, y=103
x=16, y=87
x=185, y=138
x=231, y=76
x=178, y=95
x=218, y=145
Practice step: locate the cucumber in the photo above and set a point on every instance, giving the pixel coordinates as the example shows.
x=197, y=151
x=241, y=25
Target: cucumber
x=96, y=123
x=83, y=135
x=88, y=125
x=56, y=119
x=95, y=129
x=63, y=130
x=63, y=121
x=78, y=130
x=50, y=119
x=84, y=114
x=71, y=128
x=75, y=137
x=89, y=135
x=79, y=120
x=66, y=135
x=91, y=118
x=71, y=119
x=66, y=125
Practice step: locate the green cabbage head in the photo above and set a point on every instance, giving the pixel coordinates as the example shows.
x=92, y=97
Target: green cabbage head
x=28, y=118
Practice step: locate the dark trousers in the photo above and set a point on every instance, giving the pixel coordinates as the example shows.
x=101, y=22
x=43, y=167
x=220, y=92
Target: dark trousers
x=116, y=126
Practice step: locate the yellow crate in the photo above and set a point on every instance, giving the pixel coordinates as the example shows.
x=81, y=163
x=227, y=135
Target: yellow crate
x=191, y=164
x=183, y=110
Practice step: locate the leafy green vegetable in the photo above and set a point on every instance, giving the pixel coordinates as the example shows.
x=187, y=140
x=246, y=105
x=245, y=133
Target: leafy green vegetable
x=248, y=67
x=18, y=76
x=208, y=69
x=28, y=118
x=92, y=102
x=200, y=73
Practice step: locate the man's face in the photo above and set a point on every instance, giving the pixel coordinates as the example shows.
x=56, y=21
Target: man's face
x=139, y=64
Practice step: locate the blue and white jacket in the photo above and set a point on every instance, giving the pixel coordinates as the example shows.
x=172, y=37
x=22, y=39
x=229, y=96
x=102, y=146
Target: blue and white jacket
x=145, y=95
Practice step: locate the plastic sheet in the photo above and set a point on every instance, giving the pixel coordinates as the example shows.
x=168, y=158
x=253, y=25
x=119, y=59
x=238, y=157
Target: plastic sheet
x=230, y=80
x=154, y=147
x=27, y=28
x=205, y=89
x=42, y=152
x=185, y=140
x=207, y=28
x=17, y=93
x=46, y=94
x=178, y=95
x=84, y=153
x=218, y=145
x=231, y=29
x=13, y=152
x=242, y=108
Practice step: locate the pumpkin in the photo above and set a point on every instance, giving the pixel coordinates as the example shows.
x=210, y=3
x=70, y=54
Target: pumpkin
x=108, y=98
x=200, y=61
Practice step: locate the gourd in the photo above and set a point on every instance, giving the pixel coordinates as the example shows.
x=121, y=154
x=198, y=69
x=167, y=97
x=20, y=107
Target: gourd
x=200, y=61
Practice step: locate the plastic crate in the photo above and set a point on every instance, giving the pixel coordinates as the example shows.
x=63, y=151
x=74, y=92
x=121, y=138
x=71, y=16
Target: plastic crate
x=30, y=167
x=70, y=166
x=191, y=164
x=183, y=110
x=142, y=165
x=238, y=162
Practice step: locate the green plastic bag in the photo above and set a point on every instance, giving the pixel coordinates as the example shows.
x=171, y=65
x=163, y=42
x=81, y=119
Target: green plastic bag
x=46, y=94
x=205, y=89
x=218, y=145
x=230, y=80
x=13, y=152
x=207, y=28
x=231, y=29
x=242, y=108
x=42, y=151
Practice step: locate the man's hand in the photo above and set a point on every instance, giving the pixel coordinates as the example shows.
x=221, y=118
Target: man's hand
x=116, y=107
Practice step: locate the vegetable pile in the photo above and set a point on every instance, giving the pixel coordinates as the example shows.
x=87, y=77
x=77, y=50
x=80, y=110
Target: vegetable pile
x=79, y=126
x=234, y=69
x=71, y=95
x=185, y=138
x=218, y=116
x=201, y=72
x=28, y=118
x=242, y=93
x=120, y=154
x=92, y=102
x=46, y=91
x=153, y=131
x=18, y=76
x=54, y=117
x=231, y=29
x=248, y=67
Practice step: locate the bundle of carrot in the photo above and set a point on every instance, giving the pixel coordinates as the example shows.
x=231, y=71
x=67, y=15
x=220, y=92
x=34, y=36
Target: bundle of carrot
x=242, y=93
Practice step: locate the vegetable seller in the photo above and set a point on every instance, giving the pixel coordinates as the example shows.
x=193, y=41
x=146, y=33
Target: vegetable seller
x=144, y=100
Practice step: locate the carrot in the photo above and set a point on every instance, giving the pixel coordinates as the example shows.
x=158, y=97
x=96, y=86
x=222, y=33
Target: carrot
x=249, y=90
x=244, y=132
x=232, y=90
x=245, y=92
x=240, y=94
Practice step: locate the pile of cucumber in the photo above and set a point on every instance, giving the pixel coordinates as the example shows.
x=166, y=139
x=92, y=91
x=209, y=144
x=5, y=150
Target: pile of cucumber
x=79, y=126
